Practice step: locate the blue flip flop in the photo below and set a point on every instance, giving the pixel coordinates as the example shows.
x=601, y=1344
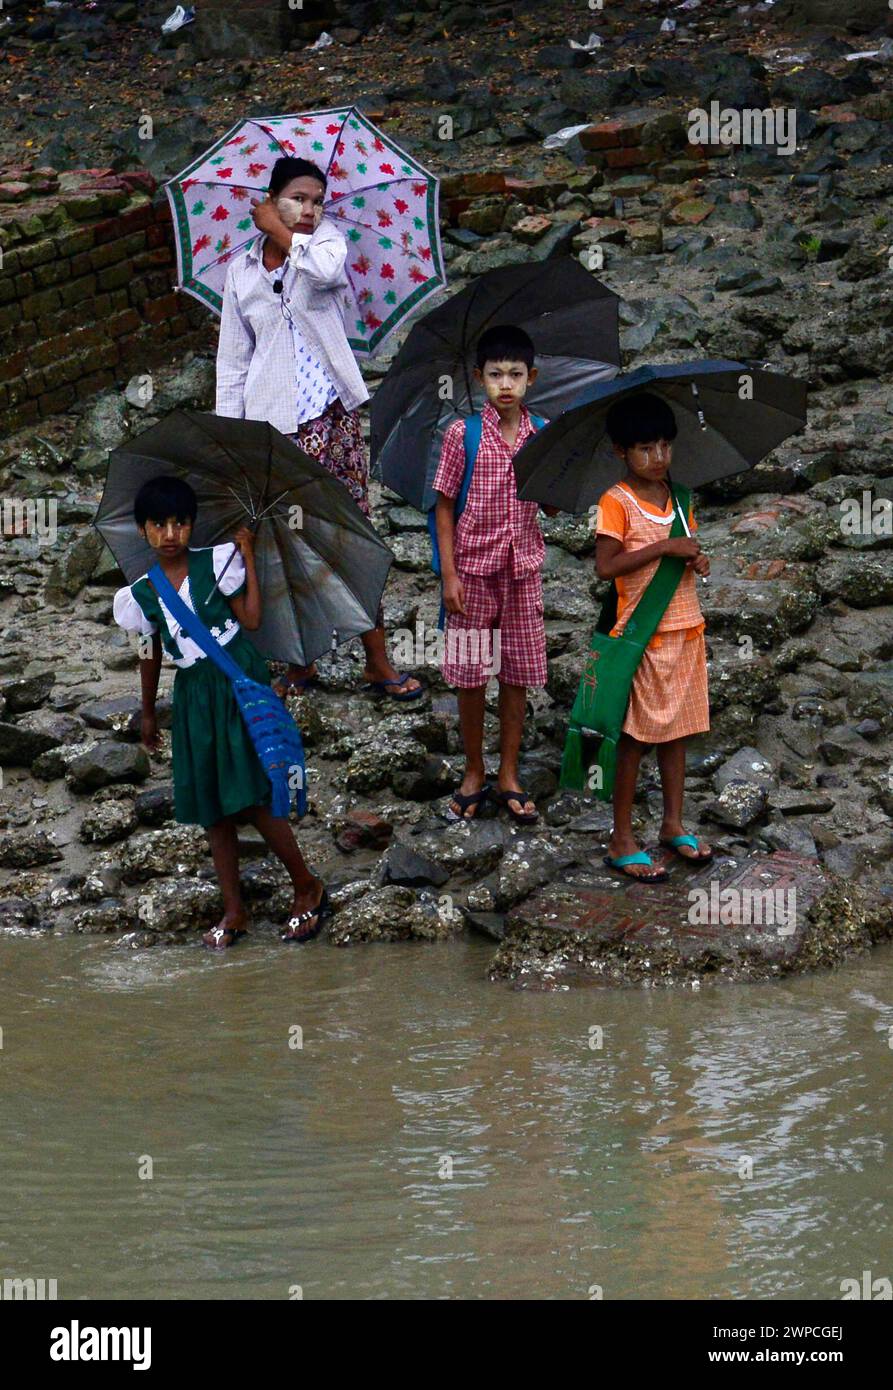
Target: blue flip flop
x=692, y=841
x=640, y=857
x=382, y=688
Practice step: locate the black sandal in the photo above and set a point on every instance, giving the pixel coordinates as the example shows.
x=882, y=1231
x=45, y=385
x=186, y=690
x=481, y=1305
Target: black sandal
x=466, y=799
x=322, y=911
x=520, y=817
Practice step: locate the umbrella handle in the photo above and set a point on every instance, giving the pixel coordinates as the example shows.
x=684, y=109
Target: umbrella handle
x=228, y=563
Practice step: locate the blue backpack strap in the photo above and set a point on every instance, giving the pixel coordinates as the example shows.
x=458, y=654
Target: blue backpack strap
x=193, y=625
x=537, y=421
x=474, y=426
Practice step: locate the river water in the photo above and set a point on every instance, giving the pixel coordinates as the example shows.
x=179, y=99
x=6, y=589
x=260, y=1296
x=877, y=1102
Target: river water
x=726, y=1143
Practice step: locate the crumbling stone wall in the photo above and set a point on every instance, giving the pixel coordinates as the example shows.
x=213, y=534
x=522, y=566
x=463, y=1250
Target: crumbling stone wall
x=87, y=275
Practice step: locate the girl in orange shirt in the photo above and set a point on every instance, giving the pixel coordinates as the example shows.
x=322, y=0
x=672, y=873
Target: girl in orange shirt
x=668, y=701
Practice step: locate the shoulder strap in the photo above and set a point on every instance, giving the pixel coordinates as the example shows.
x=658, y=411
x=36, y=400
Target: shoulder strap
x=474, y=426
x=537, y=420
x=645, y=617
x=193, y=625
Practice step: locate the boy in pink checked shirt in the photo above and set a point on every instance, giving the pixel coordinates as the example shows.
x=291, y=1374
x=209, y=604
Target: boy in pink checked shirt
x=491, y=562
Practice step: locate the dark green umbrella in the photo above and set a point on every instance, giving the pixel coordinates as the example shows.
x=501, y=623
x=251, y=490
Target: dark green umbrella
x=729, y=416
x=572, y=319
x=321, y=565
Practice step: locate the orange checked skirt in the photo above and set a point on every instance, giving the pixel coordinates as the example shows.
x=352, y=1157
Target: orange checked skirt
x=669, y=693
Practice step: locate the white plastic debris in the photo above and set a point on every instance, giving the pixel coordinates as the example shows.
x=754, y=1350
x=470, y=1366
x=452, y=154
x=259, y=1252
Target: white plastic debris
x=591, y=43
x=668, y=26
x=323, y=41
x=177, y=18
x=561, y=137
x=689, y=5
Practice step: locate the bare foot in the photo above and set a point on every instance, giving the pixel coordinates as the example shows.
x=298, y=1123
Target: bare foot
x=296, y=678
x=231, y=926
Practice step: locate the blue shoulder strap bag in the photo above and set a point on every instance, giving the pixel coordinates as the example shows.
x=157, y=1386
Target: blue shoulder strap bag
x=275, y=735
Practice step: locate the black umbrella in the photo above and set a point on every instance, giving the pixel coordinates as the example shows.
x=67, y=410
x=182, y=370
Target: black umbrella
x=321, y=565
x=572, y=319
x=729, y=416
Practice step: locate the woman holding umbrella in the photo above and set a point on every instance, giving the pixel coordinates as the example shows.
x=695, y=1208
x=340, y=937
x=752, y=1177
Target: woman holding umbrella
x=284, y=357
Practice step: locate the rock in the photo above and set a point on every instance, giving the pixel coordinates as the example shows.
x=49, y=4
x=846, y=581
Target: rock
x=402, y=865
x=180, y=849
x=27, y=693
x=178, y=904
x=17, y=914
x=738, y=804
x=747, y=765
x=20, y=746
x=27, y=849
x=394, y=914
x=527, y=863
x=155, y=806
x=412, y=552
x=102, y=763
x=69, y=574
x=109, y=821
x=105, y=424
x=112, y=914
x=361, y=829
x=860, y=581
x=374, y=765
x=465, y=847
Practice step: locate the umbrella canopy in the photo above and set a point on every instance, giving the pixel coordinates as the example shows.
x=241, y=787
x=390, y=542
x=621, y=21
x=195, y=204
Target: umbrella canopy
x=385, y=202
x=724, y=427
x=572, y=319
x=321, y=565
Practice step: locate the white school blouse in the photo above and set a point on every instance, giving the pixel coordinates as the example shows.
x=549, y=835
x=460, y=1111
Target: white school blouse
x=129, y=615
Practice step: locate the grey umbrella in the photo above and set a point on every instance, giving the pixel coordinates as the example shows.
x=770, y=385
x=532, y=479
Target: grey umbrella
x=320, y=563
x=572, y=319
x=729, y=416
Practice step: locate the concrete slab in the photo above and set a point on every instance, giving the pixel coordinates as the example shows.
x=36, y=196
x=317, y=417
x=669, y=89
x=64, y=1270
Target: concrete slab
x=757, y=917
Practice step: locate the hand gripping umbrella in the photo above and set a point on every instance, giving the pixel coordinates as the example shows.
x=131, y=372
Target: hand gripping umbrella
x=729, y=416
x=572, y=320
x=383, y=200
x=321, y=565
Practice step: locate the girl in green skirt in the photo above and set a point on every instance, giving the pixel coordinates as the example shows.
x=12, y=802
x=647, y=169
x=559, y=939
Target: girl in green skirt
x=219, y=781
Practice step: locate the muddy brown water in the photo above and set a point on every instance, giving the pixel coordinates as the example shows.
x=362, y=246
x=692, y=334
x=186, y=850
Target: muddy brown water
x=325, y=1167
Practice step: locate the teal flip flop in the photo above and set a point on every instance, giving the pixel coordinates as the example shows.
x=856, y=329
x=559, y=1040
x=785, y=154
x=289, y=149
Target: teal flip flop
x=692, y=841
x=640, y=857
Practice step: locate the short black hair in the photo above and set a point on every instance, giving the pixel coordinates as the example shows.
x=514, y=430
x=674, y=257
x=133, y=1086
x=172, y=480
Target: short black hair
x=289, y=167
x=640, y=419
x=505, y=343
x=162, y=497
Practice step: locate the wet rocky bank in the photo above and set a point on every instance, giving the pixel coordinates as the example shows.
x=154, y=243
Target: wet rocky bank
x=718, y=251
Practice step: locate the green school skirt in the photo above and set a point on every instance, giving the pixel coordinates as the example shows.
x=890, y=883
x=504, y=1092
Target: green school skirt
x=216, y=770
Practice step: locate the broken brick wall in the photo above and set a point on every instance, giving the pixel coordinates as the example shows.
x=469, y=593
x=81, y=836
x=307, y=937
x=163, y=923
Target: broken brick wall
x=87, y=297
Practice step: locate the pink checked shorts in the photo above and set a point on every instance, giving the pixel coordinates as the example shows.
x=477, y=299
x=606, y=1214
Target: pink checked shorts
x=501, y=633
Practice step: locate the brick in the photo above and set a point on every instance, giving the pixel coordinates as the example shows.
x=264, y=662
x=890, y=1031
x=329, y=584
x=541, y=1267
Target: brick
x=162, y=255
x=23, y=415
x=114, y=276
x=59, y=373
x=159, y=236
x=109, y=254
x=138, y=292
x=24, y=283
x=80, y=206
x=632, y=156
x=89, y=385
x=34, y=383
x=7, y=290
x=76, y=291
x=55, y=401
x=75, y=242
x=118, y=299
x=157, y=310
x=136, y=218
x=158, y=283
x=604, y=136
x=126, y=321
x=179, y=326
x=38, y=253
x=471, y=185
x=51, y=274
x=41, y=303
x=10, y=260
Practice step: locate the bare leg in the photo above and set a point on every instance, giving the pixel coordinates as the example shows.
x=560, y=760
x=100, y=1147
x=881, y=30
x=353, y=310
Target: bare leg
x=671, y=761
x=471, y=724
x=623, y=841
x=225, y=851
x=512, y=709
x=279, y=835
x=378, y=668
